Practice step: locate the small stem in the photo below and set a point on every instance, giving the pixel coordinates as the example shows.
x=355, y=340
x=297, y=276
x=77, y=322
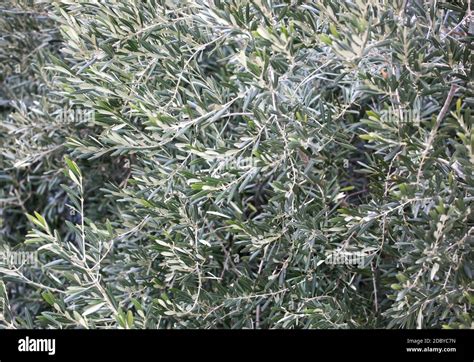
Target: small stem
x=441, y=115
x=83, y=234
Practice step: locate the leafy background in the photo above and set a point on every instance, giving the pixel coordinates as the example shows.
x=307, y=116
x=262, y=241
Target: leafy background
x=232, y=145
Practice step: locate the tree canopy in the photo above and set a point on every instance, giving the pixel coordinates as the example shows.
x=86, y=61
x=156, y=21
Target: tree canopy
x=199, y=164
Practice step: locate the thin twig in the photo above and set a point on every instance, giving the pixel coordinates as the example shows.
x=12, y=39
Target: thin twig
x=440, y=117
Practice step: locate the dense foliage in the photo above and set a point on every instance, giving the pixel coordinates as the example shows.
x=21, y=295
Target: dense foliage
x=229, y=147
